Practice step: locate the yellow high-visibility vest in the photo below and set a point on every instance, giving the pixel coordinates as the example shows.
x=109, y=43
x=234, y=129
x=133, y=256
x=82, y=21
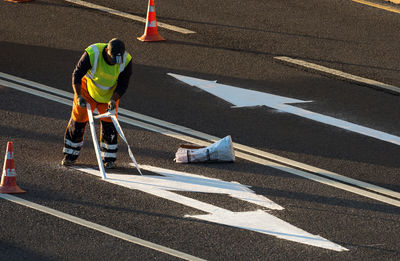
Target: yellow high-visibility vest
x=102, y=77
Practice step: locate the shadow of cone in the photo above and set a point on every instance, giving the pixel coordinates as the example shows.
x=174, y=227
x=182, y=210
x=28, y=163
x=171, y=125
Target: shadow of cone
x=150, y=31
x=8, y=178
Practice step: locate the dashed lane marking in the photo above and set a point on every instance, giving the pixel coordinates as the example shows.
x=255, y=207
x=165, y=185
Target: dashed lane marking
x=129, y=16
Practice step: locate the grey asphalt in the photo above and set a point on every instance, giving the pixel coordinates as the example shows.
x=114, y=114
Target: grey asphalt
x=235, y=43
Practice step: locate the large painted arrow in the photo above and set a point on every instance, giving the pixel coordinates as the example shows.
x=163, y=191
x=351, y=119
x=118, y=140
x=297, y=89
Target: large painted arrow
x=248, y=98
x=166, y=182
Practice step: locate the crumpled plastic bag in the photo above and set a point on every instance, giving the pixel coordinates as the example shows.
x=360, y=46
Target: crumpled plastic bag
x=220, y=151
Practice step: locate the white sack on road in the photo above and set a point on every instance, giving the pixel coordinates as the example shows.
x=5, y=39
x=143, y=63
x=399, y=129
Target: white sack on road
x=220, y=151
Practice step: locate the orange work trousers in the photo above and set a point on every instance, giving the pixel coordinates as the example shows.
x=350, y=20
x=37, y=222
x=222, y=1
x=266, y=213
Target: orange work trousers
x=79, y=114
x=74, y=133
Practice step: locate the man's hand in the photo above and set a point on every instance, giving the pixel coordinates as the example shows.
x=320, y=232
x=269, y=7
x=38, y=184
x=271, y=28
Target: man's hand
x=111, y=105
x=81, y=101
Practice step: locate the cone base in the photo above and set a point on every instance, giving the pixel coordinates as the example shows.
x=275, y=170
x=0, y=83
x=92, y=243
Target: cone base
x=11, y=190
x=151, y=38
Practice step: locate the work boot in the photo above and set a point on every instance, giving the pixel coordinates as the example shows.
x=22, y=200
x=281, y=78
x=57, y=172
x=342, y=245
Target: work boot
x=109, y=165
x=67, y=161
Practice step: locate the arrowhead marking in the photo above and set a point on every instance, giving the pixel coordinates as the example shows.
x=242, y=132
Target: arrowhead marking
x=247, y=98
x=239, y=97
x=170, y=181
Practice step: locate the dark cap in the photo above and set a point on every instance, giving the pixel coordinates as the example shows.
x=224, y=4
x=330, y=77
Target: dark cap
x=117, y=49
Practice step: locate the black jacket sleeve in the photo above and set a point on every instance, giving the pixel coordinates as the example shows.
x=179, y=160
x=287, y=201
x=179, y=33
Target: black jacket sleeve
x=81, y=68
x=123, y=79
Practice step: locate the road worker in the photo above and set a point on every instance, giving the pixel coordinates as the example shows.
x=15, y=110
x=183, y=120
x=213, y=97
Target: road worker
x=100, y=78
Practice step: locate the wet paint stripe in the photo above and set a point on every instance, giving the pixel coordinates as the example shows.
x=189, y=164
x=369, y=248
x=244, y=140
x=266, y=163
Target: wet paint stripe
x=129, y=16
x=335, y=180
x=100, y=228
x=380, y=6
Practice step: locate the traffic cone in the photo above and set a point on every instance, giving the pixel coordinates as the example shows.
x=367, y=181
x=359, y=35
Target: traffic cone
x=8, y=178
x=151, y=32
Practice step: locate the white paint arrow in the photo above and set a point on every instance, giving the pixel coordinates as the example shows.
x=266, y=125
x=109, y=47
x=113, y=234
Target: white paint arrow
x=167, y=181
x=237, y=96
x=246, y=98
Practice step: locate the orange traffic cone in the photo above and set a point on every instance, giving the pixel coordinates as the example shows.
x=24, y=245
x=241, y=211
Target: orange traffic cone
x=151, y=32
x=9, y=179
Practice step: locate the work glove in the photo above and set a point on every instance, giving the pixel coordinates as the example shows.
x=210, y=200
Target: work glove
x=81, y=101
x=111, y=105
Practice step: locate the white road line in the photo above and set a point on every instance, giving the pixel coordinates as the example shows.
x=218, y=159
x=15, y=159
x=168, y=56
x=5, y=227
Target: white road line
x=99, y=228
x=36, y=92
x=37, y=85
x=291, y=164
x=380, y=6
x=170, y=182
x=320, y=179
x=130, y=16
x=338, y=73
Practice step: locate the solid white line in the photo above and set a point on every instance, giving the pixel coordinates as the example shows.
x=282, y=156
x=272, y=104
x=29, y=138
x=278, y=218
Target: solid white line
x=248, y=149
x=267, y=155
x=37, y=85
x=36, y=92
x=204, y=136
x=339, y=73
x=383, y=7
x=320, y=179
x=130, y=16
x=99, y=228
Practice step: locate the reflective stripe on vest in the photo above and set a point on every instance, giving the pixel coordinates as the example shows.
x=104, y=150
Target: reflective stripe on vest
x=105, y=88
x=95, y=62
x=96, y=58
x=102, y=77
x=122, y=65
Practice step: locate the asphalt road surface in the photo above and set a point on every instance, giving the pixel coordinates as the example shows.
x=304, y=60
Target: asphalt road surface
x=329, y=193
